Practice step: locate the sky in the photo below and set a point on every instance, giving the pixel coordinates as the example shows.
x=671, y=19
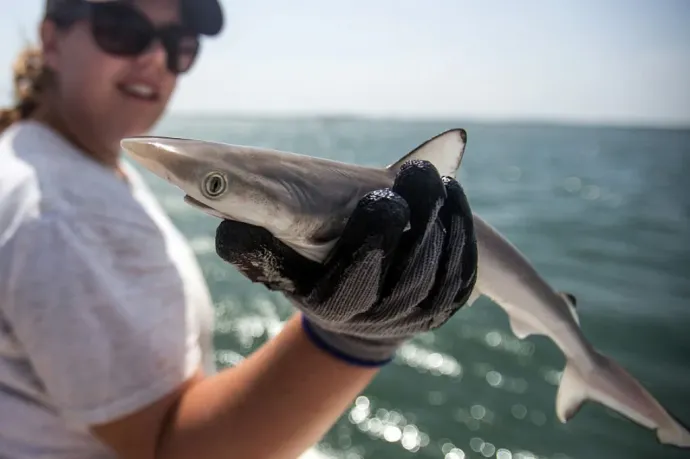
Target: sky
x=613, y=61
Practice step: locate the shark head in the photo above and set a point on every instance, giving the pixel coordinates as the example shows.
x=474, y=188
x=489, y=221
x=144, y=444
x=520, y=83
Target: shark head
x=305, y=201
x=194, y=167
x=234, y=182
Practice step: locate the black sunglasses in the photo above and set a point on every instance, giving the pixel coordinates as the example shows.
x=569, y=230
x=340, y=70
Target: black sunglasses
x=121, y=29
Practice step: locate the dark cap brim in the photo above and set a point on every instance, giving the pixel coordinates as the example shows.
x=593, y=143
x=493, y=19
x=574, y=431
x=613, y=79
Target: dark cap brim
x=205, y=16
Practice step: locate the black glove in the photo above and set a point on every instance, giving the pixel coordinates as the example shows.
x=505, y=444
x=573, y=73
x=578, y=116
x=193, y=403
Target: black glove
x=380, y=285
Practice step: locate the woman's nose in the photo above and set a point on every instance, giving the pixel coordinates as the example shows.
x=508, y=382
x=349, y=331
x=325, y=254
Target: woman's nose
x=155, y=54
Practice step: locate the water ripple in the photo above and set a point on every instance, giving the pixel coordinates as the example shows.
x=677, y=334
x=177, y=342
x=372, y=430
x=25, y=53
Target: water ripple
x=428, y=361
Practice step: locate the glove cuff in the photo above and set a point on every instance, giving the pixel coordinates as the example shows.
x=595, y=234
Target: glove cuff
x=350, y=349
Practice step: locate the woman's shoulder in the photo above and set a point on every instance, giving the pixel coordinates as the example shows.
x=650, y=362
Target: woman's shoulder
x=47, y=187
x=42, y=178
x=74, y=214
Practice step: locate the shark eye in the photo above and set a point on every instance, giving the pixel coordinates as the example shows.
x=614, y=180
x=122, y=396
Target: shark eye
x=214, y=185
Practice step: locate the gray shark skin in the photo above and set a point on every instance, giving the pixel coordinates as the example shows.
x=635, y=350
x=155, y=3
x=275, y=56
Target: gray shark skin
x=305, y=201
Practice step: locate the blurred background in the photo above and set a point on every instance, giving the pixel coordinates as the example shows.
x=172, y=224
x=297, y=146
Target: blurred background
x=578, y=121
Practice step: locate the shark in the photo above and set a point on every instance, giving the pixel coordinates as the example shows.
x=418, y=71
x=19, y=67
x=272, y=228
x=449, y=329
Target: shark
x=305, y=201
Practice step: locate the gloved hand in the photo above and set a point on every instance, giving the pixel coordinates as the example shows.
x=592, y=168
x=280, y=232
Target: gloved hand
x=380, y=285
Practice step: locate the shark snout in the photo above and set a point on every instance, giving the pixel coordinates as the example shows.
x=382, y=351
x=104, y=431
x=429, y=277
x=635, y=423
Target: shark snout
x=150, y=154
x=153, y=148
x=167, y=158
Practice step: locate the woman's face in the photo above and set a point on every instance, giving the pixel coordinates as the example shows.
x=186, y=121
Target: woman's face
x=103, y=98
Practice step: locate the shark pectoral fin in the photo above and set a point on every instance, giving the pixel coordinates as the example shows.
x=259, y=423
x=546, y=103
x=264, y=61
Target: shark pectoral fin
x=572, y=393
x=444, y=151
x=571, y=301
x=520, y=328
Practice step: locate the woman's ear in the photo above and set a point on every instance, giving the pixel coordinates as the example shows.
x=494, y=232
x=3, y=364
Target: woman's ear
x=49, y=43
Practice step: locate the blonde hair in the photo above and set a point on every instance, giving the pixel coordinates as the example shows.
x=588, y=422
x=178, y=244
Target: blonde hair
x=30, y=78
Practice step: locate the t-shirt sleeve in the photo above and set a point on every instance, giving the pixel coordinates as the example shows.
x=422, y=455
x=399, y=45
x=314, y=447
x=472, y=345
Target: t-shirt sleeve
x=100, y=309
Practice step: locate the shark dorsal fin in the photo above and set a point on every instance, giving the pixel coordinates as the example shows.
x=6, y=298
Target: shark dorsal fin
x=444, y=151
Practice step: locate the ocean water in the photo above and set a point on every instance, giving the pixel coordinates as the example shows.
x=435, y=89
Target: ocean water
x=603, y=213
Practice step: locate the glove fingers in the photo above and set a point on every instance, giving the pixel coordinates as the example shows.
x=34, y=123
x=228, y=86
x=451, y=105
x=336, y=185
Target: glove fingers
x=420, y=185
x=415, y=261
x=262, y=258
x=458, y=214
x=458, y=265
x=354, y=267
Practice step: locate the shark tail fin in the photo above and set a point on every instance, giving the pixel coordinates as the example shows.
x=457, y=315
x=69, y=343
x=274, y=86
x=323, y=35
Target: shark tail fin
x=444, y=151
x=612, y=386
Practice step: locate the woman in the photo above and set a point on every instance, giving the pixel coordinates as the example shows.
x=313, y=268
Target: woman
x=105, y=319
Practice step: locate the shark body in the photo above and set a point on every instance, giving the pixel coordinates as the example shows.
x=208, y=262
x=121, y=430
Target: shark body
x=305, y=202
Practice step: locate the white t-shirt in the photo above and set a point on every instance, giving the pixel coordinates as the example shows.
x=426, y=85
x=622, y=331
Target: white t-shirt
x=103, y=307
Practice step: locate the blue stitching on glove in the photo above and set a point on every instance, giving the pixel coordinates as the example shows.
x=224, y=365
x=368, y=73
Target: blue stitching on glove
x=337, y=353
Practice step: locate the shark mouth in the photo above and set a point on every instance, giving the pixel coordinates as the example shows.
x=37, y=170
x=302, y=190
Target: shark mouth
x=203, y=207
